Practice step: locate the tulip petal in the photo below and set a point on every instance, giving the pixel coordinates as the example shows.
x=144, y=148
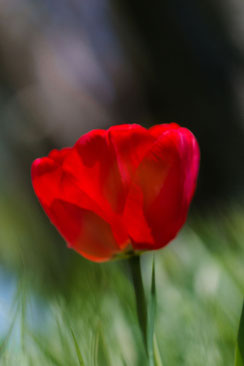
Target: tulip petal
x=161, y=190
x=159, y=129
x=46, y=174
x=85, y=232
x=52, y=183
x=131, y=143
x=94, y=166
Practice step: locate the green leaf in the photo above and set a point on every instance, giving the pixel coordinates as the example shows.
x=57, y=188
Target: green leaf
x=239, y=354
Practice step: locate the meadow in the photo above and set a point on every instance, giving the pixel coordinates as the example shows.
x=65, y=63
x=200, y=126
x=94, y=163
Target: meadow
x=60, y=309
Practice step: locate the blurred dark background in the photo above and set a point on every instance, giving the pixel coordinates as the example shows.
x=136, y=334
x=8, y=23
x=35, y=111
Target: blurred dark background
x=70, y=66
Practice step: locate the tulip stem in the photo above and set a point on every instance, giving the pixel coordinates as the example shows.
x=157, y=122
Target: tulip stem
x=141, y=306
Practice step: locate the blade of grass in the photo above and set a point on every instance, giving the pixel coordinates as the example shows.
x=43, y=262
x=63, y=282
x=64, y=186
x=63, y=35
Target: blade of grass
x=239, y=359
x=94, y=349
x=67, y=352
x=77, y=349
x=104, y=357
x=157, y=358
x=23, y=305
x=45, y=351
x=4, y=342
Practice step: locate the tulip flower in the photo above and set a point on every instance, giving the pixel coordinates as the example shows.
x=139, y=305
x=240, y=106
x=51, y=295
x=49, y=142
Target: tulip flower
x=122, y=190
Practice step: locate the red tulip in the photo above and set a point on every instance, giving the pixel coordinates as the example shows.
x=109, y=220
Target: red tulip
x=127, y=188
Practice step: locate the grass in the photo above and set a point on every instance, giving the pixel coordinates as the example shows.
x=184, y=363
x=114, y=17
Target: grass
x=68, y=311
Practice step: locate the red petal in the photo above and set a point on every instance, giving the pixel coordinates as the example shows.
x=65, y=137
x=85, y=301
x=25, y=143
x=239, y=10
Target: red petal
x=60, y=178
x=59, y=155
x=161, y=191
x=158, y=130
x=131, y=143
x=44, y=171
x=85, y=232
x=94, y=166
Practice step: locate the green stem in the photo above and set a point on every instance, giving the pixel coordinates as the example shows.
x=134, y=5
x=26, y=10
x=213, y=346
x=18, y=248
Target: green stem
x=135, y=267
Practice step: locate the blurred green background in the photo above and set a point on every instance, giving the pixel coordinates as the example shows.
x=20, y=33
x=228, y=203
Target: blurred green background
x=69, y=66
